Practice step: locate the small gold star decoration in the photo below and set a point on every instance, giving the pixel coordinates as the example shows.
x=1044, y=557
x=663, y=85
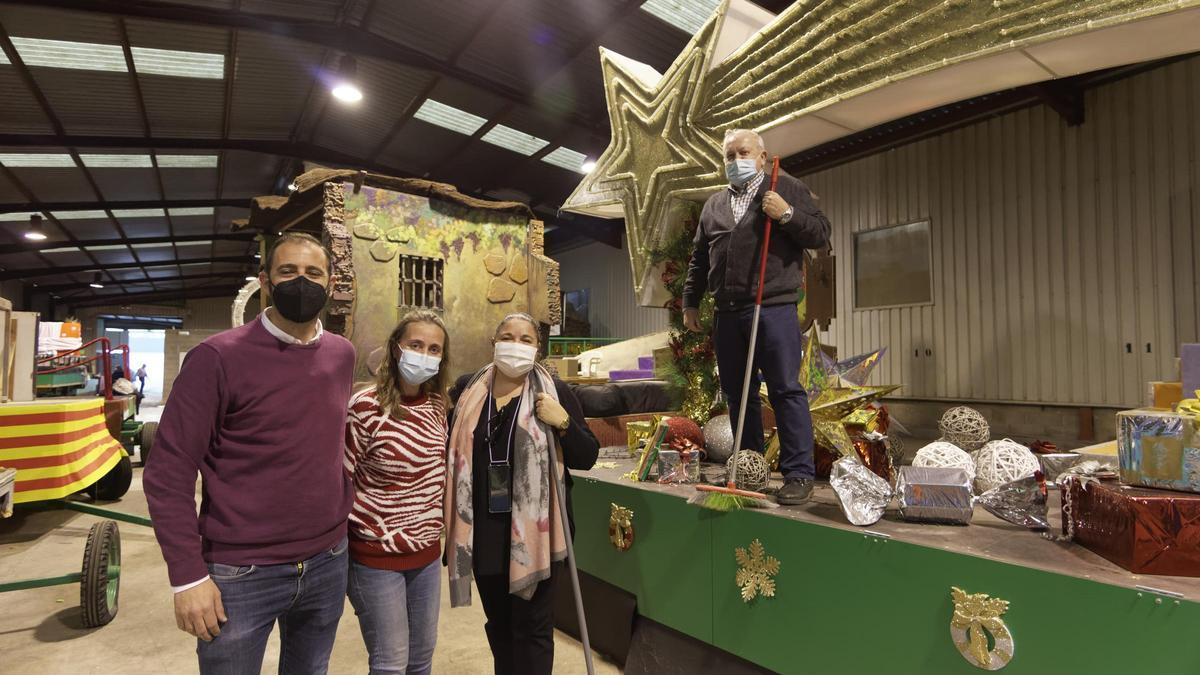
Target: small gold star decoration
x=620, y=527
x=756, y=571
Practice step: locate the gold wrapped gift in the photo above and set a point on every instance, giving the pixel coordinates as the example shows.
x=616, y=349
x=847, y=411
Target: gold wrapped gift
x=636, y=432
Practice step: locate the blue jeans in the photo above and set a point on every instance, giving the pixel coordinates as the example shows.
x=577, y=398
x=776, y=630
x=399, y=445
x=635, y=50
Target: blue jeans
x=306, y=598
x=778, y=359
x=398, y=615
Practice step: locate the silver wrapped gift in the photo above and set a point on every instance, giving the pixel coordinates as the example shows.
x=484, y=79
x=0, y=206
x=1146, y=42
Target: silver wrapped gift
x=935, y=494
x=863, y=495
x=1055, y=463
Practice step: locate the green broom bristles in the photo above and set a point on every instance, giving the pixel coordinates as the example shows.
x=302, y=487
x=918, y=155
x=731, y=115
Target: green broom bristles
x=723, y=501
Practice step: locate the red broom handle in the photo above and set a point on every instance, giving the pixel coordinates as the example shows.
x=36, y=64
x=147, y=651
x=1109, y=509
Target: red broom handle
x=762, y=267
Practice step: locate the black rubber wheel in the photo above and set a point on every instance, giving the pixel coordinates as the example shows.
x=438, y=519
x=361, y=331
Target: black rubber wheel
x=101, y=583
x=115, y=483
x=146, y=440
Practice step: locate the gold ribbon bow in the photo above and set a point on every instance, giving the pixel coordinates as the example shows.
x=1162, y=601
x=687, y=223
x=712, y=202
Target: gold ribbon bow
x=1189, y=406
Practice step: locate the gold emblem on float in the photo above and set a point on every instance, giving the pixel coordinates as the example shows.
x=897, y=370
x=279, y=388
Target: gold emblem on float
x=756, y=571
x=620, y=527
x=976, y=616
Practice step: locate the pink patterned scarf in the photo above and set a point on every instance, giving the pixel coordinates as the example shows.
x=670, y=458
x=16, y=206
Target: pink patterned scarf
x=537, y=531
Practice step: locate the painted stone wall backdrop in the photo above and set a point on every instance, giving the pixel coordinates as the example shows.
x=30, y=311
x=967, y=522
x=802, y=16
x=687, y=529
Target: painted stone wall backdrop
x=486, y=268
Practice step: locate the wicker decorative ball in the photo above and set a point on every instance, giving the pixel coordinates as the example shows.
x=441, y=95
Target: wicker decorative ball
x=1001, y=462
x=752, y=471
x=718, y=439
x=943, y=454
x=684, y=427
x=964, y=427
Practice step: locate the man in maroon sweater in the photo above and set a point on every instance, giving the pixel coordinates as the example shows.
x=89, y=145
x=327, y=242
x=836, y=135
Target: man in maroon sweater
x=259, y=413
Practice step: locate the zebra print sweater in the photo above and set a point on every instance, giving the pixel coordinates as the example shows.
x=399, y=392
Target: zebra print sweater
x=398, y=467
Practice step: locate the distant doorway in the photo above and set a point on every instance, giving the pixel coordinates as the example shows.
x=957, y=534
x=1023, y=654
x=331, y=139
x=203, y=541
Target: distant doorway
x=145, y=337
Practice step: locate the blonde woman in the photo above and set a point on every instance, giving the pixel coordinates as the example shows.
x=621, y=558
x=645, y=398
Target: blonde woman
x=395, y=452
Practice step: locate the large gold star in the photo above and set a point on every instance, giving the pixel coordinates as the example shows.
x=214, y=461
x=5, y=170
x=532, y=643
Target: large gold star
x=657, y=153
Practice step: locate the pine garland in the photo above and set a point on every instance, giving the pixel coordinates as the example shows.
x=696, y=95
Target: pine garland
x=691, y=374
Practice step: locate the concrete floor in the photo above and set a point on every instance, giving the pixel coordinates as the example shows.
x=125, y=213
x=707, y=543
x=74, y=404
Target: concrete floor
x=40, y=630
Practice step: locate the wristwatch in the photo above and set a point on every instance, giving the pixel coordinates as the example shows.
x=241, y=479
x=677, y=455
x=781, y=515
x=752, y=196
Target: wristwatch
x=565, y=425
x=787, y=215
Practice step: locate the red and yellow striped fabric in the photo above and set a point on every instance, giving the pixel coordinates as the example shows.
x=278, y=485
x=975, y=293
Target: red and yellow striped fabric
x=58, y=447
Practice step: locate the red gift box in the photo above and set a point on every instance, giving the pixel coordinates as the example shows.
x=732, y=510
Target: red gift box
x=1145, y=531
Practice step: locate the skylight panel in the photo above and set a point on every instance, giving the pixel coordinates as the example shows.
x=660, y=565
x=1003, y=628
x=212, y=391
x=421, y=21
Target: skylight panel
x=65, y=249
x=567, y=159
x=107, y=247
x=160, y=244
x=187, y=161
x=178, y=64
x=688, y=16
x=449, y=117
x=138, y=213
x=517, y=141
x=73, y=55
x=116, y=161
x=36, y=160
x=195, y=264
x=18, y=217
x=206, y=242
x=192, y=211
x=77, y=215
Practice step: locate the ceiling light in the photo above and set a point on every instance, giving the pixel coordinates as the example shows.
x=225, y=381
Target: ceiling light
x=449, y=117
x=73, y=55
x=36, y=160
x=251, y=278
x=688, y=16
x=96, y=281
x=511, y=139
x=187, y=161
x=587, y=166
x=35, y=232
x=567, y=159
x=192, y=211
x=138, y=213
x=178, y=64
x=345, y=85
x=78, y=215
x=292, y=187
x=116, y=161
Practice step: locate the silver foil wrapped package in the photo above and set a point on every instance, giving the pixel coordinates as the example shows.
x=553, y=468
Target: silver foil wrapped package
x=1021, y=502
x=1055, y=463
x=935, y=494
x=863, y=495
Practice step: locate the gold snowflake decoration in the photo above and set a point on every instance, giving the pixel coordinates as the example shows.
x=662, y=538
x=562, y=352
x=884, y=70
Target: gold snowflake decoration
x=755, y=571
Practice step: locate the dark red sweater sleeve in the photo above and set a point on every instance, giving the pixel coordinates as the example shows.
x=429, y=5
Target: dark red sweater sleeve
x=185, y=435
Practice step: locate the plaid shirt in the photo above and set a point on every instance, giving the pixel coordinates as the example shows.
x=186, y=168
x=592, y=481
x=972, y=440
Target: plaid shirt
x=739, y=199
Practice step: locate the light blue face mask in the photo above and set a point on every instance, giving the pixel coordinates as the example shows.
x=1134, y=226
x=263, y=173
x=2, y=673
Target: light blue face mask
x=739, y=172
x=416, y=368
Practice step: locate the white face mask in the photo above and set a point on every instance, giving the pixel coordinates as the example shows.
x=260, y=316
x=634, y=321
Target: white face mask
x=514, y=359
x=416, y=368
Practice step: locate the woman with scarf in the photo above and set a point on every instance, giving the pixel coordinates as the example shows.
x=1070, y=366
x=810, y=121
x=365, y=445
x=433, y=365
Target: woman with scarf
x=502, y=515
x=395, y=452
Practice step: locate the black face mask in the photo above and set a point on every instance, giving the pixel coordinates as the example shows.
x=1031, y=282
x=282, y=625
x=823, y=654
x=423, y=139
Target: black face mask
x=299, y=300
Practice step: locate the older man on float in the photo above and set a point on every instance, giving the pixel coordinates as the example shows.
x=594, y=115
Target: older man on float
x=725, y=261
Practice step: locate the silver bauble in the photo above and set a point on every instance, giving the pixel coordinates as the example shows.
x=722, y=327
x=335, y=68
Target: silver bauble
x=718, y=439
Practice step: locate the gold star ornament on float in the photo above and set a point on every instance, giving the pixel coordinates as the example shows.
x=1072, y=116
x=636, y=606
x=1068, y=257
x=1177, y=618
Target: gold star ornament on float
x=657, y=153
x=820, y=71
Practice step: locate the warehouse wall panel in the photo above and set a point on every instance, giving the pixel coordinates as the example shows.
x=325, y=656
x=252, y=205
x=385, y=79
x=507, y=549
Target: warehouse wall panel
x=613, y=311
x=1064, y=258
